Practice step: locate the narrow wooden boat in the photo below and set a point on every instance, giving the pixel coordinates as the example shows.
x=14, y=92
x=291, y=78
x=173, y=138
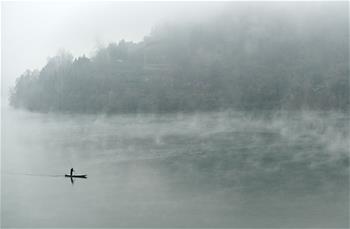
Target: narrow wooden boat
x=76, y=176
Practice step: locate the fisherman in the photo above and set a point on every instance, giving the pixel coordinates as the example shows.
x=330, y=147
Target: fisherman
x=71, y=171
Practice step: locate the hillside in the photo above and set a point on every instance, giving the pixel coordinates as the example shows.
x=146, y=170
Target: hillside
x=246, y=58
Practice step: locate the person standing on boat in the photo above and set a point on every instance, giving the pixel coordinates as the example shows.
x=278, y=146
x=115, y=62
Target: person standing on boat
x=71, y=171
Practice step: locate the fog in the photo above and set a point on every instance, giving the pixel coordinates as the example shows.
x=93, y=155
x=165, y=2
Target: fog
x=219, y=169
x=244, y=57
x=34, y=31
x=199, y=114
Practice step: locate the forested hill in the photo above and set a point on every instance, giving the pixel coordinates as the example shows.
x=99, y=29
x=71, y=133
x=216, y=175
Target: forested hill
x=249, y=57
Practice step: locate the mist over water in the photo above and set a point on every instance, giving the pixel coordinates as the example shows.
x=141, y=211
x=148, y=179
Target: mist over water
x=204, y=169
x=196, y=115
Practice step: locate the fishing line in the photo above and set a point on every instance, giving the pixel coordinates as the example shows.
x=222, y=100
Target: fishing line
x=33, y=174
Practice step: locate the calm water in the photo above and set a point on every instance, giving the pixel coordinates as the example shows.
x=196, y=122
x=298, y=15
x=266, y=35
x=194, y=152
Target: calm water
x=225, y=169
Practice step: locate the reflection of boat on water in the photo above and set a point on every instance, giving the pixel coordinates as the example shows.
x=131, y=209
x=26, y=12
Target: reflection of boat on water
x=76, y=176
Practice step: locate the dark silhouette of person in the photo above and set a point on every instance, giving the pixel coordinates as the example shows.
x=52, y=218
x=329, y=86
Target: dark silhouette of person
x=71, y=171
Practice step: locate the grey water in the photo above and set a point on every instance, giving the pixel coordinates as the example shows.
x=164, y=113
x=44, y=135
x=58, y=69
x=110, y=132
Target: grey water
x=215, y=169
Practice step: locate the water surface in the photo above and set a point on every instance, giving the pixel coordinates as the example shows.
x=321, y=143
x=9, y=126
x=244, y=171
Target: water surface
x=219, y=169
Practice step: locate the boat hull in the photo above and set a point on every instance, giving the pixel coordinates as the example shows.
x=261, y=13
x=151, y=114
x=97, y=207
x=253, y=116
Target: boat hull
x=76, y=176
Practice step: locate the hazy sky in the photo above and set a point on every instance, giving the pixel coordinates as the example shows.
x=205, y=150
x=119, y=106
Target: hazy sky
x=33, y=31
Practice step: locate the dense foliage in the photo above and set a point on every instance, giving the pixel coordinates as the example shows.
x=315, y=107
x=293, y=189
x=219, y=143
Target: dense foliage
x=250, y=57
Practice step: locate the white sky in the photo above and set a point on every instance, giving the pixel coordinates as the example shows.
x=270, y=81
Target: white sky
x=33, y=31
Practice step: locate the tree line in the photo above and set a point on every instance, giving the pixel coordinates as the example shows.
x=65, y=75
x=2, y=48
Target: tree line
x=241, y=59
